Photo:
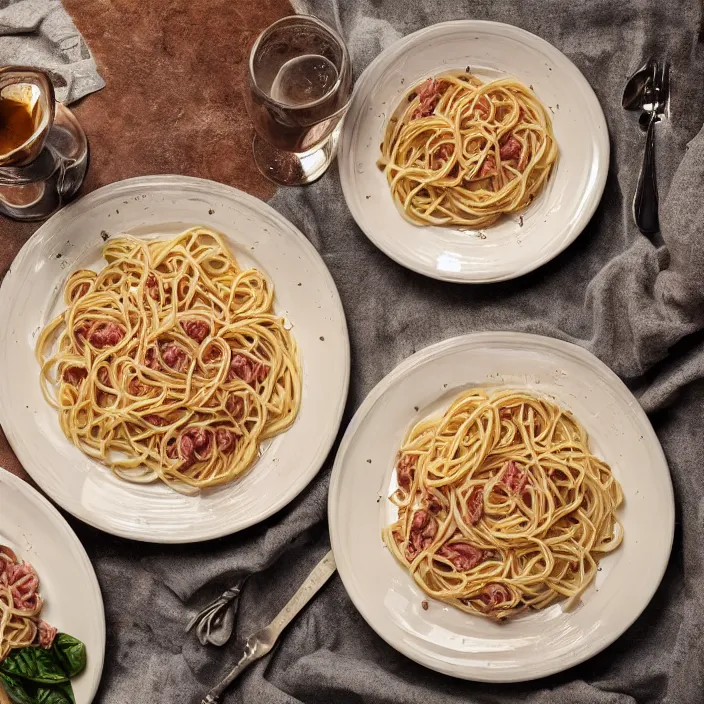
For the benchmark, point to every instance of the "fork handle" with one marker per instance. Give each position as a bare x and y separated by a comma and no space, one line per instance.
213,696
645,203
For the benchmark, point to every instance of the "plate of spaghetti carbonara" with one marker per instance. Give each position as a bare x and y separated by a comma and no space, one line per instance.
190,362
500,507
52,623
473,152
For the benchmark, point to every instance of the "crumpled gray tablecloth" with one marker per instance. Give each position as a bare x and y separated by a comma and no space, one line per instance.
635,304
40,33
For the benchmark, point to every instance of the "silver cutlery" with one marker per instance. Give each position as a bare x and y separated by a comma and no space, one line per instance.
653,86
633,92
261,642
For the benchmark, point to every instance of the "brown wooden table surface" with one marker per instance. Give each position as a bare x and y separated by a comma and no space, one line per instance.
172,102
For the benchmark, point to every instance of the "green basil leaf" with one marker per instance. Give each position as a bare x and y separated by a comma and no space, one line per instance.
34,663
14,663
15,689
53,695
67,689
70,653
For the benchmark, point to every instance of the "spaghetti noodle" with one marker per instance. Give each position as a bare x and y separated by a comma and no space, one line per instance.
461,152
20,606
501,505
170,362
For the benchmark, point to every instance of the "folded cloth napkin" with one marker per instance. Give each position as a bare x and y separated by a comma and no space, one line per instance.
635,303
40,33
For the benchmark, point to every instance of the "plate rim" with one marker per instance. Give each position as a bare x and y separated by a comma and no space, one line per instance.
399,256
33,495
171,181
375,395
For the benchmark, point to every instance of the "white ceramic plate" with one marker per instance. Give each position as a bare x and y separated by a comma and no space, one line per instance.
550,223
35,530
160,206
543,642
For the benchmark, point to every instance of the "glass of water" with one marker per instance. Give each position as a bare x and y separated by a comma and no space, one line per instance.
300,84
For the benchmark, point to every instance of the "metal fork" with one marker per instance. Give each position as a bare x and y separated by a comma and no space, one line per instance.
656,96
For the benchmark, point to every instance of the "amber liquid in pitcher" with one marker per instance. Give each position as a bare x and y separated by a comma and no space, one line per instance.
16,124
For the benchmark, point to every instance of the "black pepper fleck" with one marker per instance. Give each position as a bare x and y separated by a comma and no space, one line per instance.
58,256
322,339
104,235
211,211
369,461
416,409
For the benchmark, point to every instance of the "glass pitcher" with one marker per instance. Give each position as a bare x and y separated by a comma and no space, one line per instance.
43,149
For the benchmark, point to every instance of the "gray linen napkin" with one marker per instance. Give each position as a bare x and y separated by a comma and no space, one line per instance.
634,303
40,33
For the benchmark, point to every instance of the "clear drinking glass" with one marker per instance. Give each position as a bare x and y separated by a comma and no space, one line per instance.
300,83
